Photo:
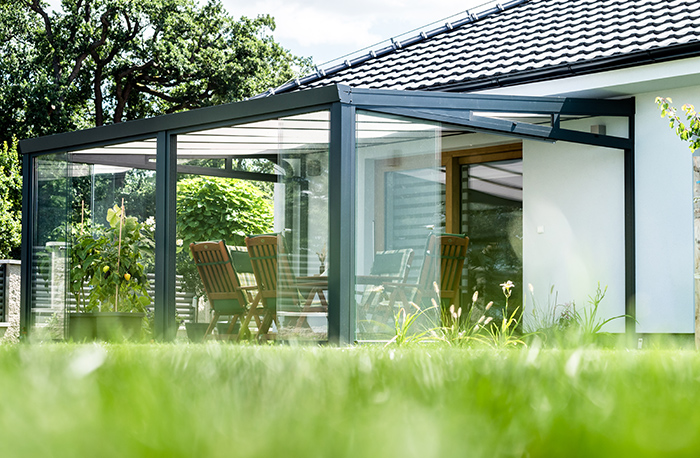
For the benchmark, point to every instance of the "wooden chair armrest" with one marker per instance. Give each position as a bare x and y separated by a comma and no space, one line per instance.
399,285
376,279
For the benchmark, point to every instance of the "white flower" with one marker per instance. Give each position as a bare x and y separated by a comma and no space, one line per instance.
507,287
475,296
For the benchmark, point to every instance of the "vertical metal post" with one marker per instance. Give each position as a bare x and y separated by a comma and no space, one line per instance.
166,182
630,237
28,209
341,208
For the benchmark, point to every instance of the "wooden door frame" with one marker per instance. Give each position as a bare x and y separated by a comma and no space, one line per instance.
453,162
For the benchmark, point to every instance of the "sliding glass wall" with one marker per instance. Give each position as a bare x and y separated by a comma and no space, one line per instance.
265,181
93,236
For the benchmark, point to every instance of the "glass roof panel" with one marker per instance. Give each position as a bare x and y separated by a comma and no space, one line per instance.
307,132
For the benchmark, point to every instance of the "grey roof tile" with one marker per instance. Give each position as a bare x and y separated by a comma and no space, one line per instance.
529,36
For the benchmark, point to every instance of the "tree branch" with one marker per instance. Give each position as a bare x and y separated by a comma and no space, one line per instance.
48,28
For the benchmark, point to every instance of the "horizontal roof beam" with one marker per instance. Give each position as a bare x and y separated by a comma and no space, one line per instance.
506,127
494,103
231,113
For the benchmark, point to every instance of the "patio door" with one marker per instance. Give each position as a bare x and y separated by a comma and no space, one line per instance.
484,199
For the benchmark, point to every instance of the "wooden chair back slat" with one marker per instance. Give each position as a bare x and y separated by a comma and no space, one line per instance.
220,281
443,264
263,251
216,270
453,252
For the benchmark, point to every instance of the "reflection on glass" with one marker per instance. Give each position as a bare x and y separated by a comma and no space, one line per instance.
492,212
266,177
93,245
49,273
399,190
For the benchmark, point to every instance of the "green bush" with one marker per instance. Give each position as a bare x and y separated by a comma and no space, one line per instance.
10,201
212,208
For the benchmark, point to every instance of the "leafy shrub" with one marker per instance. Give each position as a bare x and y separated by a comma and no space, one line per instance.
212,208
10,201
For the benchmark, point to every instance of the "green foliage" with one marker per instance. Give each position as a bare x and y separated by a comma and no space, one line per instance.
95,62
501,333
212,208
109,262
10,201
456,328
688,130
563,326
403,327
139,190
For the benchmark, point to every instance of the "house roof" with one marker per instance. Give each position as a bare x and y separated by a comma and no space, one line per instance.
523,41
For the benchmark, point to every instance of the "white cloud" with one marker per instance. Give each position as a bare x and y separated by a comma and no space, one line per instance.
326,29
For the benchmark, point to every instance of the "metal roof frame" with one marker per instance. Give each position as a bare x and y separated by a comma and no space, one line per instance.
342,102
458,109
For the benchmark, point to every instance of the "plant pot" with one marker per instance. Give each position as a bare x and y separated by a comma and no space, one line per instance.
195,331
221,328
118,326
81,326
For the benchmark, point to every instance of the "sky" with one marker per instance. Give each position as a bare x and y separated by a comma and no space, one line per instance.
327,30
330,29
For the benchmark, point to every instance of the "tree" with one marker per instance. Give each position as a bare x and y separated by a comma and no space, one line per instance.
97,62
690,129
105,61
10,201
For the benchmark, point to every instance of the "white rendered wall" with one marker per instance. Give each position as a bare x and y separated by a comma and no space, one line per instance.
664,218
664,187
573,224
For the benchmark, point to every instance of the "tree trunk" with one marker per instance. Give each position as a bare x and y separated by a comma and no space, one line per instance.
99,111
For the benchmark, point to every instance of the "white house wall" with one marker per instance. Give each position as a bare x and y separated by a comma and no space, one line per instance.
573,225
664,187
664,219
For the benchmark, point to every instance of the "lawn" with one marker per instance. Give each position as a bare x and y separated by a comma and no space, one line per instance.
218,400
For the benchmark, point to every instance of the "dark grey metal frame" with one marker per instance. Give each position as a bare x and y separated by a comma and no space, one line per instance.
342,101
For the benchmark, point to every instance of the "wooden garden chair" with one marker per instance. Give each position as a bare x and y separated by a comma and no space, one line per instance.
278,287
440,275
221,284
274,279
388,266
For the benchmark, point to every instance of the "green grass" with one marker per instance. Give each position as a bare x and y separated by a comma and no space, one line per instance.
285,401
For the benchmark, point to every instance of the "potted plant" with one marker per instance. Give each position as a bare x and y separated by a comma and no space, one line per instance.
107,278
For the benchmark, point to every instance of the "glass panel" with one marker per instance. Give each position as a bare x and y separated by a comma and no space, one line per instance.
400,185
94,240
48,292
267,177
492,215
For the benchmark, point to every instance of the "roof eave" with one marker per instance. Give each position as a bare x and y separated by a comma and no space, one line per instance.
635,59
